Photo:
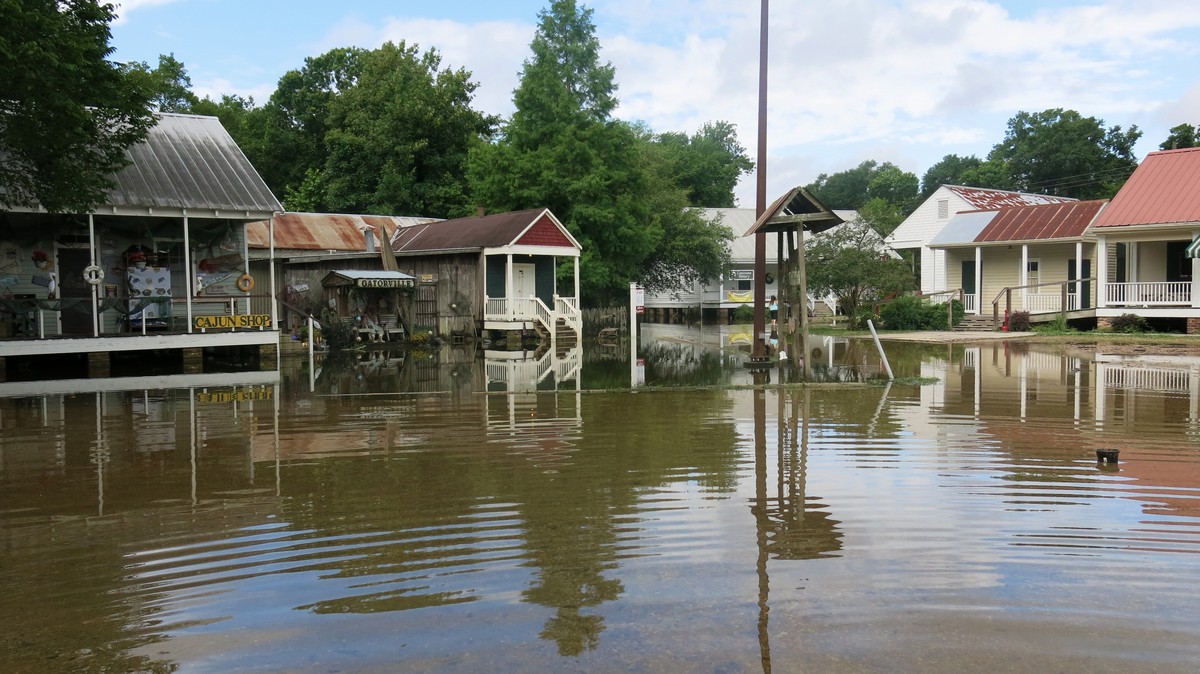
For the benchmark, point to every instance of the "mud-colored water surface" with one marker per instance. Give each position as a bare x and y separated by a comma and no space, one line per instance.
385,519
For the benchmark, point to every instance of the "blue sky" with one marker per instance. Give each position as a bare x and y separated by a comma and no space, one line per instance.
906,81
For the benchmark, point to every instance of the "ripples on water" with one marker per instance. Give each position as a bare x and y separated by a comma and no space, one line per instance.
936,528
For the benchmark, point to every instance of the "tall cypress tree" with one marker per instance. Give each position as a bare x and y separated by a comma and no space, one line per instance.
562,150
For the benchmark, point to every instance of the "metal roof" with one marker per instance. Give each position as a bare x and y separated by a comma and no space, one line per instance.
962,228
325,231
1046,221
478,232
1165,189
984,199
190,161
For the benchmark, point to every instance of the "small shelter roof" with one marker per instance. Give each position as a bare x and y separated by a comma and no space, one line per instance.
362,278
797,208
536,227
1165,189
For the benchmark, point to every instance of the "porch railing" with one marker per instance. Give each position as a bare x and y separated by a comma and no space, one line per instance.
532,308
38,318
1066,299
1149,293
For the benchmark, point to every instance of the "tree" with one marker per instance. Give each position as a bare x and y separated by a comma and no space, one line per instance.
707,164
169,85
1061,152
844,189
850,262
561,150
896,187
1184,135
397,139
949,171
67,114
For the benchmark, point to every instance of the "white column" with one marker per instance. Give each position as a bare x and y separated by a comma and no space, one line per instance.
95,287
1195,277
978,280
188,273
1024,276
1101,271
1079,274
508,286
578,301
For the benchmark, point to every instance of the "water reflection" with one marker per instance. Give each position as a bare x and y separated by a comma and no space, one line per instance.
398,519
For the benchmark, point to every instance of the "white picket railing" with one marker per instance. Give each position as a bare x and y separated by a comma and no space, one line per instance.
1149,293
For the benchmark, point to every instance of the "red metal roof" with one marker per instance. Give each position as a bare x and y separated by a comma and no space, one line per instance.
324,231
478,232
983,199
1164,189
1067,220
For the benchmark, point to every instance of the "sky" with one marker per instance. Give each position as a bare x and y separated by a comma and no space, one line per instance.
901,81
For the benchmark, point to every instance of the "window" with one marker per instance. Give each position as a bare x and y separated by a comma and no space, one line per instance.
943,209
742,280
1032,274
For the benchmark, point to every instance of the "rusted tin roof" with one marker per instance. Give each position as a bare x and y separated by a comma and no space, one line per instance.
190,161
1164,189
1068,220
983,199
325,231
487,231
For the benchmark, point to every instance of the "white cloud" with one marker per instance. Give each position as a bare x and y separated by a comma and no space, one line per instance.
124,7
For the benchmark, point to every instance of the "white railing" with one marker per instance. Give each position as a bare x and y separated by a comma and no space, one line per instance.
567,308
1149,293
1043,303
970,302
1148,379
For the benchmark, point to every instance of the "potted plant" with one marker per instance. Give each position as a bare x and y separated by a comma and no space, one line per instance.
40,258
138,259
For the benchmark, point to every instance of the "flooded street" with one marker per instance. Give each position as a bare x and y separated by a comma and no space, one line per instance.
453,513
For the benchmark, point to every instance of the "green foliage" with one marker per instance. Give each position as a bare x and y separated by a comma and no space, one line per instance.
743,314
844,189
1184,135
1063,153
1058,327
67,113
1018,321
561,150
850,262
894,187
397,139
910,312
948,171
169,85
337,334
1129,323
708,164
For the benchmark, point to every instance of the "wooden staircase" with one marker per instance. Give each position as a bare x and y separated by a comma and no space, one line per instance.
972,323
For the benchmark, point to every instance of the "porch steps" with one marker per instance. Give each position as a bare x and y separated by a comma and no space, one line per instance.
972,323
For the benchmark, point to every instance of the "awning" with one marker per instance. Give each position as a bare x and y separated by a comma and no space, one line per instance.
1193,249
360,278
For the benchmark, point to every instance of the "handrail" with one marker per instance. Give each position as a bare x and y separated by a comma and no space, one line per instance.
1007,293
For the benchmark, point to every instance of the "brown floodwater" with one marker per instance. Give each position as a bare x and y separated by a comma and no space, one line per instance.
447,513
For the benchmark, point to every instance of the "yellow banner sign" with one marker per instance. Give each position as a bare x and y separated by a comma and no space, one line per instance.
241,321
735,296
238,395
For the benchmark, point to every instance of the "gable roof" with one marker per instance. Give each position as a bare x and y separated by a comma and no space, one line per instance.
985,199
1065,220
191,161
536,227
1164,189
325,231
797,208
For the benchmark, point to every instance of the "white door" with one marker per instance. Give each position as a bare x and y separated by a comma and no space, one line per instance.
523,286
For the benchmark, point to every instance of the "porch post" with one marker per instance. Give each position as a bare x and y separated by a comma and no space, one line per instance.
187,270
1079,275
1024,276
96,287
271,270
1101,272
978,280
508,307
578,301
1195,279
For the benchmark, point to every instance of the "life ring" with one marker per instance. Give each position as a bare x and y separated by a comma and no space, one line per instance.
93,274
245,283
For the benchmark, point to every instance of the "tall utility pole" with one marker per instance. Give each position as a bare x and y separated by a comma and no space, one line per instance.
760,239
